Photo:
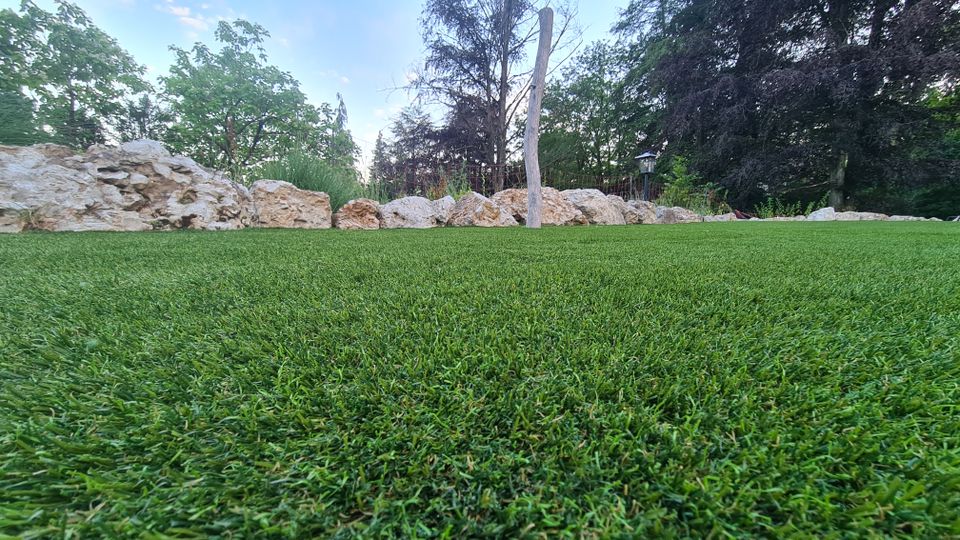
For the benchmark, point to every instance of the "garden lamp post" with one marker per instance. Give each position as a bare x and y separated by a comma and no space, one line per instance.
647,161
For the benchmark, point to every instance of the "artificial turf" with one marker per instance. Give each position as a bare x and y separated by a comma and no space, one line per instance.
746,379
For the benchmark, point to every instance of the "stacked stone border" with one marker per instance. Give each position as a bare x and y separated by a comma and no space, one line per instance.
139,186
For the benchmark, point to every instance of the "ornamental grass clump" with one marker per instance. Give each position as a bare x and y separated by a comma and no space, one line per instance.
313,173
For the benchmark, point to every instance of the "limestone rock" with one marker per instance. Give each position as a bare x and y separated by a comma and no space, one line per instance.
556,209
283,205
861,216
906,218
676,215
135,187
358,214
475,210
730,216
409,213
596,207
642,212
442,208
785,218
823,214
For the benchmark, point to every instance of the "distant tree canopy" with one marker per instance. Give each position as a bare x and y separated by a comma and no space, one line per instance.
234,111
63,79
474,68
855,98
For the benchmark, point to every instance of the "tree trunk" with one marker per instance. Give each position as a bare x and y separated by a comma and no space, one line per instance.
500,140
531,138
837,179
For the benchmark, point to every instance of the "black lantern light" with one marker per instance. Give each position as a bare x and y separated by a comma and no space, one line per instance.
647,162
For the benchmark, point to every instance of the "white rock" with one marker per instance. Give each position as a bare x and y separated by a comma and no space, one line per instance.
730,216
643,212
823,214
786,218
475,210
676,215
145,148
906,218
596,207
860,216
49,187
442,208
409,213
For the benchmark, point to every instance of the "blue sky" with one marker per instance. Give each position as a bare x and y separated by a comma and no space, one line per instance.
360,48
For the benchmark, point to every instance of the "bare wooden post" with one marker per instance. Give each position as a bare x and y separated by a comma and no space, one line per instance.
531,137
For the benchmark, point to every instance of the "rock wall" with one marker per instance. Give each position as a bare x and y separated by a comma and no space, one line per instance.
139,186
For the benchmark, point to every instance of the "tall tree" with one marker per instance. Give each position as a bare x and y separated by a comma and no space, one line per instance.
785,94
414,151
233,110
475,52
77,74
590,127
143,118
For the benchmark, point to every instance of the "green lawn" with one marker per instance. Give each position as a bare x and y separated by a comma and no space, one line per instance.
764,379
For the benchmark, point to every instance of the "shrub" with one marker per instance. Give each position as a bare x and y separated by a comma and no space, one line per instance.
310,172
774,207
683,188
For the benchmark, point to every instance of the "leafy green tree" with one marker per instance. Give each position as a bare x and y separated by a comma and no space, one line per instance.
234,111
588,127
74,74
143,118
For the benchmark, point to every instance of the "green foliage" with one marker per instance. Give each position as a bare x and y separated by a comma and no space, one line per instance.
143,118
586,129
376,190
18,124
311,172
775,207
234,111
684,187
732,380
76,75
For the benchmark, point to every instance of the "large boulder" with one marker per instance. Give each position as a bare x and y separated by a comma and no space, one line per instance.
138,186
410,213
906,218
596,207
556,209
442,208
823,214
358,214
285,206
640,212
675,215
475,210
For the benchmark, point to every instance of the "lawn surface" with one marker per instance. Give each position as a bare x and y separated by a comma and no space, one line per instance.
747,379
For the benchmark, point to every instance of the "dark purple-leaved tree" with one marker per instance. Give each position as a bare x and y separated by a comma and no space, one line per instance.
780,96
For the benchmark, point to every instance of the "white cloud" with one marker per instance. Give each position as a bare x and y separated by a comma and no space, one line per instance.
196,22
344,79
